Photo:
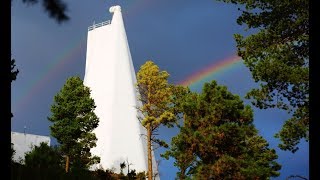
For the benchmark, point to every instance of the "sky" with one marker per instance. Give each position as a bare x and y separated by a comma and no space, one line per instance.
183,37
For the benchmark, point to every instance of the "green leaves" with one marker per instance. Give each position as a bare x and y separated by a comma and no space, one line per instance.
157,108
44,156
218,139
278,57
293,130
155,94
74,120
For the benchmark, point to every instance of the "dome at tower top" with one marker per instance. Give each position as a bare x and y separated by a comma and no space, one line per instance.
113,9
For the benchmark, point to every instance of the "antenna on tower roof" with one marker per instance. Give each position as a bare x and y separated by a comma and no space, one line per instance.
24,129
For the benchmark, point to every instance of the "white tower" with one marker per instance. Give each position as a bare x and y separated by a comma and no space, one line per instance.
111,77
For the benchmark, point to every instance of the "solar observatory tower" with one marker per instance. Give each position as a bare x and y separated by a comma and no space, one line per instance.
110,75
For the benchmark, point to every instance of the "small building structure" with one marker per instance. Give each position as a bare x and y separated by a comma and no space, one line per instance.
23,143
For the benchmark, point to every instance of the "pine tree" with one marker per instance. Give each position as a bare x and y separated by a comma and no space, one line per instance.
73,121
155,95
278,58
44,157
218,139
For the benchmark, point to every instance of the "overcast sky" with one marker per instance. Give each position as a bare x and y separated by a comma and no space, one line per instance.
181,37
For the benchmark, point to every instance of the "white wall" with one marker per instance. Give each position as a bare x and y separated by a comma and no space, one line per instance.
23,143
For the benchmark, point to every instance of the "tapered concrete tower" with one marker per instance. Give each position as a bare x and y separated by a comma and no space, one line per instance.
111,77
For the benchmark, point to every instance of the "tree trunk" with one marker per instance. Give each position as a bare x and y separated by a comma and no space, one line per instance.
149,152
182,174
67,164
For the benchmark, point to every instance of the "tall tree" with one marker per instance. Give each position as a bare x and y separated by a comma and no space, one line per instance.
278,58
155,95
218,139
186,159
74,120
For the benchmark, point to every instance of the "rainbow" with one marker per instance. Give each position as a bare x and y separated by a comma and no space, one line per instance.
69,54
57,64
210,70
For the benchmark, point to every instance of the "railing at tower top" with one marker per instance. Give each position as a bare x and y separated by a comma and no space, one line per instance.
99,25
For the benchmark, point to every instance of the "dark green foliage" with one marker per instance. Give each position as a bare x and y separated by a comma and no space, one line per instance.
110,175
42,162
122,166
74,120
12,152
44,156
141,176
132,175
104,175
278,58
20,171
14,72
294,129
218,139
56,9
